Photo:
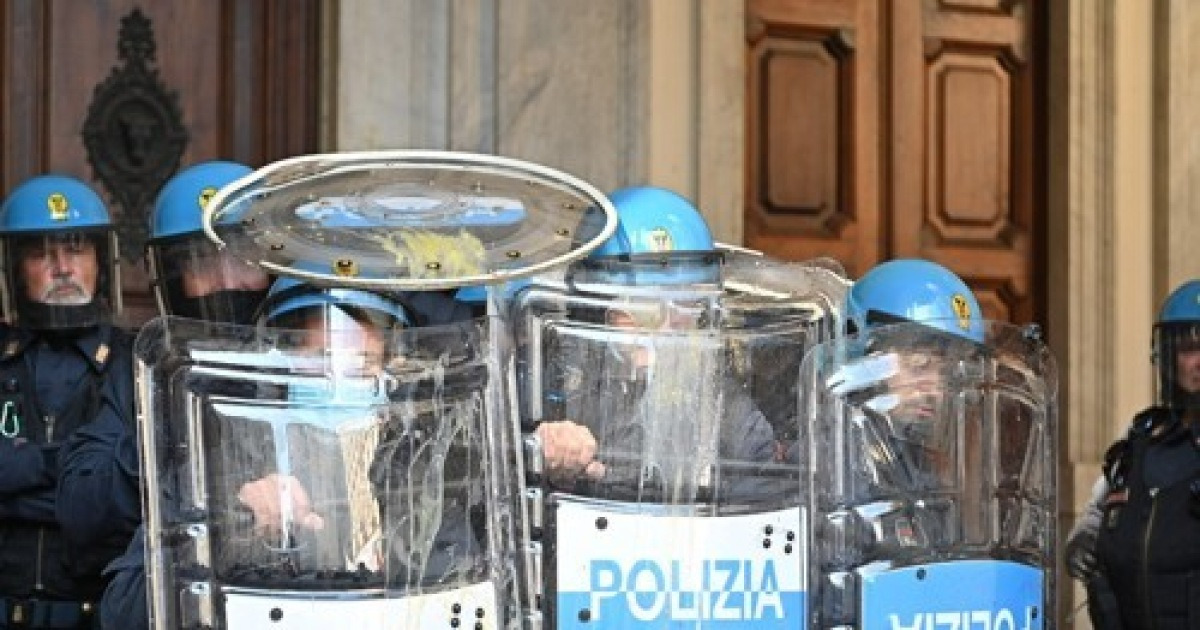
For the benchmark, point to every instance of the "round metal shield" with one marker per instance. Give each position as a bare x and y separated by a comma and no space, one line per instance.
409,219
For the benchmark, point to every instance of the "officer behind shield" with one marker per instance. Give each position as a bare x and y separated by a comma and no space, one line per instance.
99,496
64,367
655,224
1137,546
912,439
349,323
420,441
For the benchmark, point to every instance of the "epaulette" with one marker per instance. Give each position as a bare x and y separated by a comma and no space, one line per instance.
1150,421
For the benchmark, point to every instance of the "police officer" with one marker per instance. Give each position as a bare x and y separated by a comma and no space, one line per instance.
924,292
234,299
926,443
918,291
351,333
99,500
1137,547
63,366
350,327
655,225
190,276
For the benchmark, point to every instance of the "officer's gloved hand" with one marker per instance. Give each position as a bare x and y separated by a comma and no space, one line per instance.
569,451
1081,554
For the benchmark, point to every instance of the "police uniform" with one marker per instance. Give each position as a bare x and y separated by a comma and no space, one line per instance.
620,418
51,387
1137,545
99,496
1148,544
63,368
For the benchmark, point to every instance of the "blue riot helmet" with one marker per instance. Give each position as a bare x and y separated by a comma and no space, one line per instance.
475,297
906,365
190,276
913,290
658,274
291,301
1176,351
59,255
661,241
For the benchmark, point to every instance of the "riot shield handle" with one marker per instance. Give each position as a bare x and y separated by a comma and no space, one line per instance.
535,460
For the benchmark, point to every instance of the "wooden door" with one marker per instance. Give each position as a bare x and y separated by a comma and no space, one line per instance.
882,129
240,75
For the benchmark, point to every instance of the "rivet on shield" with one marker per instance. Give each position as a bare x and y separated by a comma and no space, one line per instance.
568,205
512,253
562,232
275,247
433,266
345,267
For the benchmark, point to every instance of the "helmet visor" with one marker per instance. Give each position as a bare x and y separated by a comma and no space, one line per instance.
340,339
197,280
1177,356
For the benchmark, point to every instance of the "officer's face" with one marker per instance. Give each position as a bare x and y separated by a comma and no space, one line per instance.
652,317
211,270
355,346
59,270
1187,363
918,384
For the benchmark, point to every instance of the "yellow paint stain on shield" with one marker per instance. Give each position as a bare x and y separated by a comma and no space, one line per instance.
433,254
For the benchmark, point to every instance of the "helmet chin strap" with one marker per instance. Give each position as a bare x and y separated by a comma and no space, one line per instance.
42,316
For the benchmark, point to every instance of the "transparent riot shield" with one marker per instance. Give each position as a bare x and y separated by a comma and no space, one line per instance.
371,480
300,485
409,220
689,514
931,468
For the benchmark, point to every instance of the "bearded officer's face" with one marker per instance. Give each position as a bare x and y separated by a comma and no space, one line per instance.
59,270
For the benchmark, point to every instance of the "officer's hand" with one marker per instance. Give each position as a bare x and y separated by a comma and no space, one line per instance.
569,450
265,499
1081,555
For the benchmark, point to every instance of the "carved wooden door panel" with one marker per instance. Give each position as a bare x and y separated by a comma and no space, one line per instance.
122,93
948,166
813,143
